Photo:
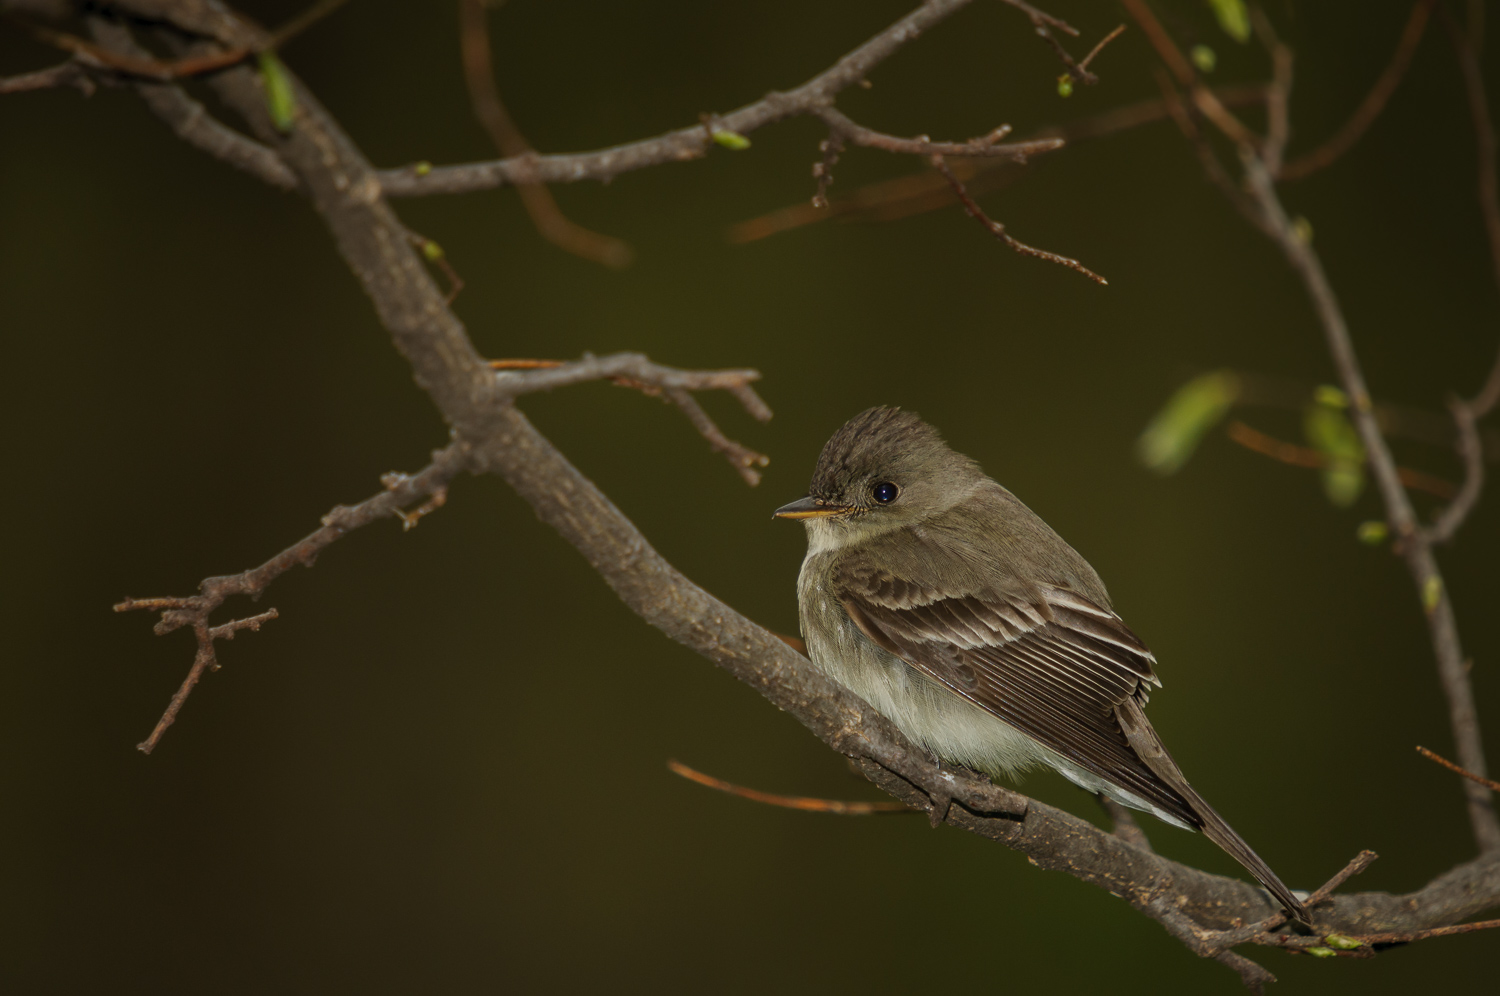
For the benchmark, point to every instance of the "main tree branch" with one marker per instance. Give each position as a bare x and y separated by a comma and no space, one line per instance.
495,436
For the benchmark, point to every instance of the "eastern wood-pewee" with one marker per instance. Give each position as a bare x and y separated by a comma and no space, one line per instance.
934,594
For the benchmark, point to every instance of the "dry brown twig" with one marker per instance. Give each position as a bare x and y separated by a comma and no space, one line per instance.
1488,783
550,222
1303,456
998,230
801,802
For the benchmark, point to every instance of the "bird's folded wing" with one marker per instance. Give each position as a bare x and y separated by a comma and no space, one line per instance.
1051,663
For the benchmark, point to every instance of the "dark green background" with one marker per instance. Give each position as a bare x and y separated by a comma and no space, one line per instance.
442,770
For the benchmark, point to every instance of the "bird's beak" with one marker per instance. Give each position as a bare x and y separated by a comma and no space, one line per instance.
809,508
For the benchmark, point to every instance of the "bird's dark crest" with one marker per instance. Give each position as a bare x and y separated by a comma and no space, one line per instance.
876,437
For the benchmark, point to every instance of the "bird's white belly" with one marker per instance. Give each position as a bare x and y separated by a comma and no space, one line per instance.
929,714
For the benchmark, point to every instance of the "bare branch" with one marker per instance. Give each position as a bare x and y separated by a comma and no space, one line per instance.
998,230
190,120
1303,456
685,143
1488,783
1371,107
887,200
1413,542
193,611
636,371
1204,99
71,73
550,222
802,802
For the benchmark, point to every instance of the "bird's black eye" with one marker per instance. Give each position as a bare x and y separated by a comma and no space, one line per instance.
885,492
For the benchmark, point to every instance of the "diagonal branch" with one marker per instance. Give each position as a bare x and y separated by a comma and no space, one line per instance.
498,438
1414,544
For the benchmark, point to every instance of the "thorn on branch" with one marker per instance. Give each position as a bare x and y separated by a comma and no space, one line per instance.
998,230
803,803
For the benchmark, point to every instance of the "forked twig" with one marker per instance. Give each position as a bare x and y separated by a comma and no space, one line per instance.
635,371
193,611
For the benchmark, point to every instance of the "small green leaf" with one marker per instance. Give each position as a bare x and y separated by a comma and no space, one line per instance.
1302,230
1179,427
421,167
1321,952
432,251
1065,85
1373,532
1327,428
1327,394
1204,58
281,102
732,140
1342,941
1432,592
1233,17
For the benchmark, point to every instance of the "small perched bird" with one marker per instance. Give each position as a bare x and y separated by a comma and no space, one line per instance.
936,596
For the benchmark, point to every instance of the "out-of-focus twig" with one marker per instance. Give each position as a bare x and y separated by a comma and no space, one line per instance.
550,222
1370,108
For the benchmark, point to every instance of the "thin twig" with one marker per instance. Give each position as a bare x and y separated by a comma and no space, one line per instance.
1303,456
190,120
1405,936
193,611
1204,99
985,147
71,73
887,200
550,222
1278,94
1371,107
146,66
1412,541
1466,414
804,803
1488,783
636,371
998,230
1084,62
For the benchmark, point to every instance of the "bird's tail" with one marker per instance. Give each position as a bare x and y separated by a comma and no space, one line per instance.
1148,746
